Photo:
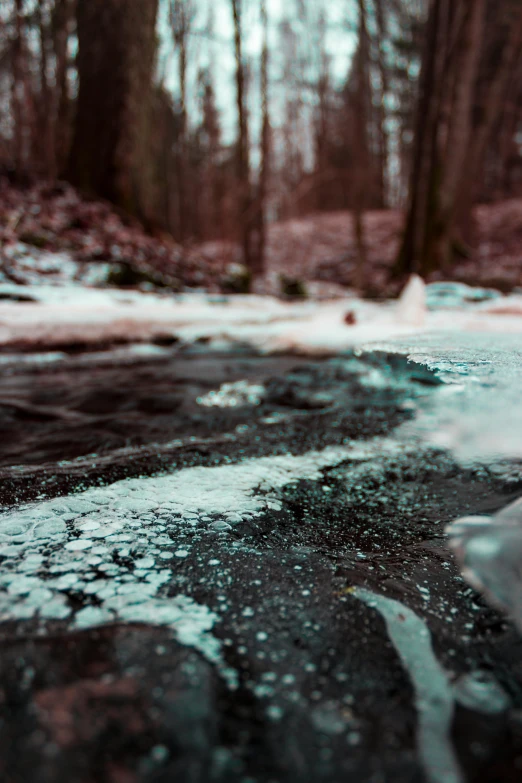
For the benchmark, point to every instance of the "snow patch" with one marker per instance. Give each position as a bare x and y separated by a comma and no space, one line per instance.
433,693
233,395
116,550
64,314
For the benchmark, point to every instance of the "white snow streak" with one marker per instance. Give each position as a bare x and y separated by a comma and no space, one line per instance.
117,549
433,693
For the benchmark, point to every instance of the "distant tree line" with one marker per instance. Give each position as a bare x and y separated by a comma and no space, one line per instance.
428,116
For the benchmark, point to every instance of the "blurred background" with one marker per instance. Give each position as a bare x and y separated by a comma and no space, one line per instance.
346,141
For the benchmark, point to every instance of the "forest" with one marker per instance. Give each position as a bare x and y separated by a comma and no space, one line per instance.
260,373
211,123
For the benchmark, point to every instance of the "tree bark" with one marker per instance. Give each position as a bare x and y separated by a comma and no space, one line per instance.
361,147
458,135
242,153
491,108
258,262
116,56
424,168
17,89
383,134
181,15
443,134
45,109
62,19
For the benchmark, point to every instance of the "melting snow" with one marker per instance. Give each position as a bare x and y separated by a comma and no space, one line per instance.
61,314
232,395
477,413
108,548
434,695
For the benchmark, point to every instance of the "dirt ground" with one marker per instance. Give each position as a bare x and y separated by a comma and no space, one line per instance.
318,247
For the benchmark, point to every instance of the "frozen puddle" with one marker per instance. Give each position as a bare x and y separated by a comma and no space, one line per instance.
113,551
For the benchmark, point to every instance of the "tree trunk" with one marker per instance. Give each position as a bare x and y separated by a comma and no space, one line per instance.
424,170
48,167
443,134
182,143
258,262
361,147
17,89
62,18
510,160
181,16
458,136
323,101
383,134
491,109
116,56
242,153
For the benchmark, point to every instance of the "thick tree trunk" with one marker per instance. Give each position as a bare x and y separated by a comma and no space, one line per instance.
491,109
443,134
424,171
510,159
458,136
116,55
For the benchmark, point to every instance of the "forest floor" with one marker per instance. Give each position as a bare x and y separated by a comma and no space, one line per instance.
95,242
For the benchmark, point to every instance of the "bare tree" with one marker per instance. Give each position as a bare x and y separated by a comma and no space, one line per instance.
243,148
62,19
383,140
17,86
443,133
323,119
458,133
361,144
212,215
491,109
181,16
258,261
292,144
45,109
116,55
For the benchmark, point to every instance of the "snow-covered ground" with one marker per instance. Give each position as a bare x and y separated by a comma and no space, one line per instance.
57,315
471,338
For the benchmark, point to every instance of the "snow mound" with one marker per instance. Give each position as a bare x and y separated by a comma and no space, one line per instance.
411,309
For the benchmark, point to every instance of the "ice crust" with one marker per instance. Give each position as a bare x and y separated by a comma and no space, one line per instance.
114,549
